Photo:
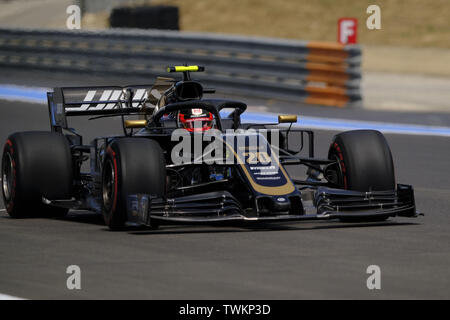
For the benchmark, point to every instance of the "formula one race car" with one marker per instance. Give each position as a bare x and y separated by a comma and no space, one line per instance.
186,159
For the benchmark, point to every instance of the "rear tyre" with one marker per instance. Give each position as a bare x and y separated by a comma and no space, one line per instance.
35,165
131,166
364,162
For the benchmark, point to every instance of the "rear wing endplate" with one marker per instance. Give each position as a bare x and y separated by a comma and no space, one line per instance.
103,100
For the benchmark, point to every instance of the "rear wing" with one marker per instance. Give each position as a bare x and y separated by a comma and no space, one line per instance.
103,100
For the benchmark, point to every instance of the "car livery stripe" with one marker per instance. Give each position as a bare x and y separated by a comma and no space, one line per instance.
285,189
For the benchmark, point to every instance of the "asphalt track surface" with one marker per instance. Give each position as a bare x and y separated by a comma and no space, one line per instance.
304,260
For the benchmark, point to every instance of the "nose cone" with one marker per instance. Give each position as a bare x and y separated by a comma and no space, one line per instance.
280,203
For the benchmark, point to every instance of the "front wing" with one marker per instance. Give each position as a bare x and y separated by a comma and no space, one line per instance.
216,207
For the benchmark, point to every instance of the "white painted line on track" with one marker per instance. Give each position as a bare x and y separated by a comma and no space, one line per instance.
336,124
38,95
8,297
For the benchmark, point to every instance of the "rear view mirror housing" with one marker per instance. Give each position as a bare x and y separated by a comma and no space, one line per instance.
132,124
288,118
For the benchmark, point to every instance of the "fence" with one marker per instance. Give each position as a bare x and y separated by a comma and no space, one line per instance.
304,71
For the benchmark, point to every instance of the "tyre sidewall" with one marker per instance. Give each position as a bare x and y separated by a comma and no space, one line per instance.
42,166
365,160
139,168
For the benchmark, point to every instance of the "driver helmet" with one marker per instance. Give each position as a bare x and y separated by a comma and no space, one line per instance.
195,120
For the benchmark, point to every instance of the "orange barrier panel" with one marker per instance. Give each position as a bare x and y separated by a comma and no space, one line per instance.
333,72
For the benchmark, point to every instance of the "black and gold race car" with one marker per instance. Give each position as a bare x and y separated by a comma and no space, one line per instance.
183,158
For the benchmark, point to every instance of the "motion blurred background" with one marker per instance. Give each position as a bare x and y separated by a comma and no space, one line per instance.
405,65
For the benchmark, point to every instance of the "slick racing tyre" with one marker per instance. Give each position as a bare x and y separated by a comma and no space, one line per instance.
35,165
364,162
131,166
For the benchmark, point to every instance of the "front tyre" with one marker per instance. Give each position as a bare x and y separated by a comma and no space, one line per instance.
364,162
131,166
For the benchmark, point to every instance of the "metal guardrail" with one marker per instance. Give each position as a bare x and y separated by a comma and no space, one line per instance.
305,71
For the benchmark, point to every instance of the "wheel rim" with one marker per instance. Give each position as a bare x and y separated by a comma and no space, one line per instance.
108,185
7,176
334,175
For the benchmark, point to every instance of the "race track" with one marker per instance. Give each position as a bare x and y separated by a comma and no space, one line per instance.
305,260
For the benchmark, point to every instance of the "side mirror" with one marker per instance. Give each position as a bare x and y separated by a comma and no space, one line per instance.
288,118
129,124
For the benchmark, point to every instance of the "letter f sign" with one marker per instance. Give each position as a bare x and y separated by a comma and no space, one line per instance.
347,30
